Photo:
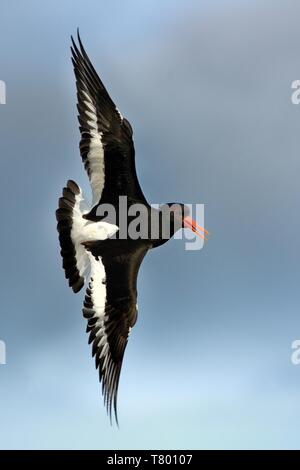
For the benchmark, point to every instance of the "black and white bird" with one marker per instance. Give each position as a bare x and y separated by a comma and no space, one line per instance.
93,253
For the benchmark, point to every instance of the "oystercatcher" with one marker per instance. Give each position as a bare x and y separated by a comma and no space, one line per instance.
94,252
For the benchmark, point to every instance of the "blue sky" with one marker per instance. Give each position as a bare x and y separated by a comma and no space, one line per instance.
206,87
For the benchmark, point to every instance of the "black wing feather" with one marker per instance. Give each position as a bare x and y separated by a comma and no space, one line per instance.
111,130
109,336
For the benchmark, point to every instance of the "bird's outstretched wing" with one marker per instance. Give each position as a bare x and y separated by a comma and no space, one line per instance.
106,144
111,311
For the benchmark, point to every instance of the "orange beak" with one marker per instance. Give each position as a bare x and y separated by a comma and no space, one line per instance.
188,222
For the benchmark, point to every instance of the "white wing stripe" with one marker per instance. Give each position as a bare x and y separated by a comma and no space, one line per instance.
87,96
90,105
96,167
104,350
98,296
82,260
95,155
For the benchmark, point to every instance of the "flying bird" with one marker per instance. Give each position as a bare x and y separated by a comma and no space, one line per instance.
94,254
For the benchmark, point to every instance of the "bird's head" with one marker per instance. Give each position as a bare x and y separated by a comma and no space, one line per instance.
179,216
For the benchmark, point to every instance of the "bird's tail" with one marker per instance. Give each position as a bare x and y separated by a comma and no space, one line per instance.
75,260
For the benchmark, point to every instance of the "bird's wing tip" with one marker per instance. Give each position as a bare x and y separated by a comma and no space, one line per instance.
79,50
